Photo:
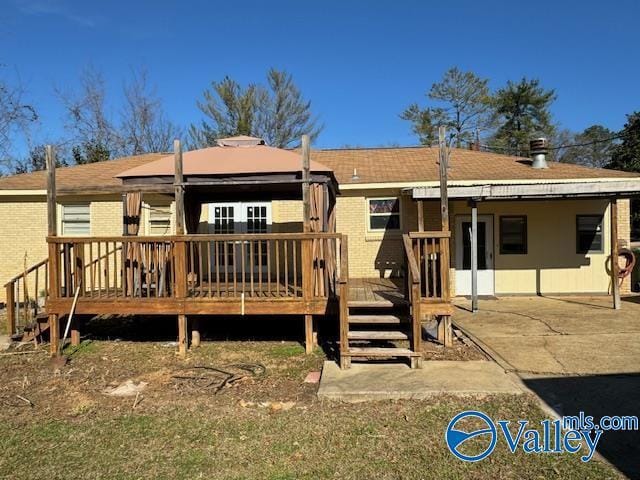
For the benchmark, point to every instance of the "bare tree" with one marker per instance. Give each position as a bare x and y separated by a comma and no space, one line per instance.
92,132
144,127
139,127
16,116
37,160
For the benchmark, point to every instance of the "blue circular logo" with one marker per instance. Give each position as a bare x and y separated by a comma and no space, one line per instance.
456,437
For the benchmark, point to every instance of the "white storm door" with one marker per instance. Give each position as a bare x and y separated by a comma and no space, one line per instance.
485,255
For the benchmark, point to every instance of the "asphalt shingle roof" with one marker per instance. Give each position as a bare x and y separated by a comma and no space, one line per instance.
373,165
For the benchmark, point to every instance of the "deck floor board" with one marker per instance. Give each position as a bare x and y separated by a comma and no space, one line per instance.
363,290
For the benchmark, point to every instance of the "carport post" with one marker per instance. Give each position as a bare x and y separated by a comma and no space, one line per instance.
615,285
474,256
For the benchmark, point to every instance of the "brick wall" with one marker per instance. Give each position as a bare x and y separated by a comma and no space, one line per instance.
286,216
24,232
370,254
624,235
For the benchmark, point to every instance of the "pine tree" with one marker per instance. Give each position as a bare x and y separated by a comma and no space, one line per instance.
522,112
461,101
277,113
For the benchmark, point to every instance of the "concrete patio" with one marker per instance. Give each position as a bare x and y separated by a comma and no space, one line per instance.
575,354
558,335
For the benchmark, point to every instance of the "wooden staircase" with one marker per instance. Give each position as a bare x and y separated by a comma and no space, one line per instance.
380,330
34,330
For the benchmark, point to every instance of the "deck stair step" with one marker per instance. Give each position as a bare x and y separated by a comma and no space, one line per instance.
35,329
388,319
377,335
377,303
383,352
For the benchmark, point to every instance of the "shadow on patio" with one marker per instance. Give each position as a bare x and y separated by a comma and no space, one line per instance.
598,395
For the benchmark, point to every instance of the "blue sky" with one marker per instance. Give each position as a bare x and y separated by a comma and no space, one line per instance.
359,62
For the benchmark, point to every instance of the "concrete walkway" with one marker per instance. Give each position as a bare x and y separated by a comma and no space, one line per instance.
363,382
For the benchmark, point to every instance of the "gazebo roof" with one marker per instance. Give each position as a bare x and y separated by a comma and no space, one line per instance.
229,159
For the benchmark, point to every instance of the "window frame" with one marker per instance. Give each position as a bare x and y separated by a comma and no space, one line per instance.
63,221
154,209
601,223
525,234
369,215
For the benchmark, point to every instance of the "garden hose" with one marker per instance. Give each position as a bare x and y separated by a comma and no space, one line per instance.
630,262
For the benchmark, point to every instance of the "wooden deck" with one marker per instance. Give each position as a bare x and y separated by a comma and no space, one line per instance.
376,292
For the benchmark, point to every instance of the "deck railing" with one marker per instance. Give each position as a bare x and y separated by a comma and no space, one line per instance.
427,276
287,265
26,294
430,250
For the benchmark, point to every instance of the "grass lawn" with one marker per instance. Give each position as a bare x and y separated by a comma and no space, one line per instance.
184,428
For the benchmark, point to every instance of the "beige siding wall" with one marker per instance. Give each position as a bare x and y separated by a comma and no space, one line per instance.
551,264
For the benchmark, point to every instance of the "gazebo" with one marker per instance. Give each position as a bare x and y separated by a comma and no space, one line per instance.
191,274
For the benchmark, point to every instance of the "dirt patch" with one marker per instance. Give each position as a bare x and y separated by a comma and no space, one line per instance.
463,349
251,371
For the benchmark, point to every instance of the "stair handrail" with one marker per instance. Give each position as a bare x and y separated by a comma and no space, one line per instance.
26,272
413,272
412,263
12,299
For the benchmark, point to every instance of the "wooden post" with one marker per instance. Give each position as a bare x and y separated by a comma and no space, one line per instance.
178,187
615,281
444,164
345,359
448,332
309,334
54,334
195,332
474,256
420,216
75,333
125,213
11,309
444,322
416,326
52,231
52,218
306,180
182,335
306,258
180,291
180,246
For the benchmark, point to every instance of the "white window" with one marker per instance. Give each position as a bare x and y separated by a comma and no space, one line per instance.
76,219
383,214
159,220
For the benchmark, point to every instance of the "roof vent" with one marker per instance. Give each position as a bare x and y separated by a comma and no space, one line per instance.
355,176
240,141
539,147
